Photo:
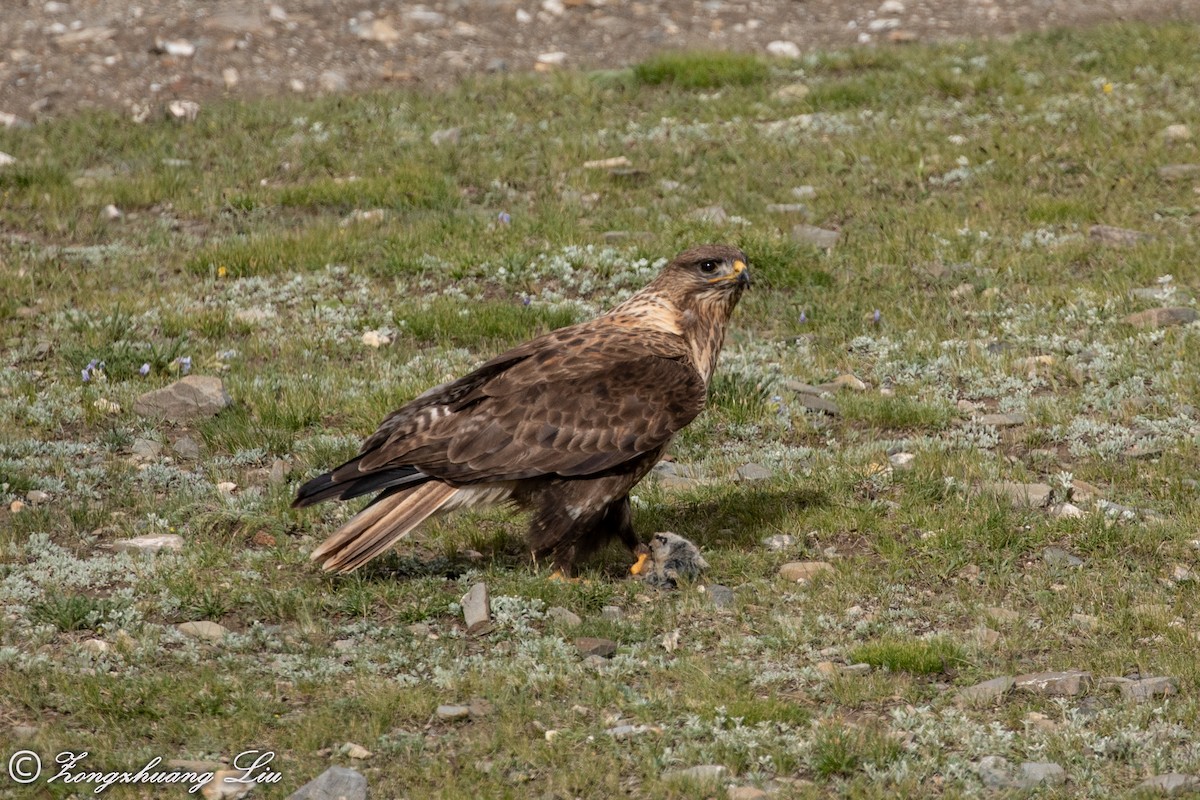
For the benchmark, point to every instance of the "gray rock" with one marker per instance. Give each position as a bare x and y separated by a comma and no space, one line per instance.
453,713
1068,683
856,670
279,471
746,793
714,214
1005,616
986,692
190,398
477,610
335,783
564,616
1057,557
720,596
803,571
629,731
146,449
814,402
450,136
150,545
35,497
204,629
820,237
590,646
704,773
1021,494
186,447
1119,237
753,472
1162,317
1002,420
1150,688
1171,783
333,81
1179,172
997,773
1160,294
779,541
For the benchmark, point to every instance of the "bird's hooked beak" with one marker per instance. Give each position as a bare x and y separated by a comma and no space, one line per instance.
742,272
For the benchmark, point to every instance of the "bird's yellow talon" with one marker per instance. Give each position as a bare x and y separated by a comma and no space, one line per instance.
640,564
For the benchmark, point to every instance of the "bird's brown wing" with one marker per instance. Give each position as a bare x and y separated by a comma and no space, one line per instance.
568,405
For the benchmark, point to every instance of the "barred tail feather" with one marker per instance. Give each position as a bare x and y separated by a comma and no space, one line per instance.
380,525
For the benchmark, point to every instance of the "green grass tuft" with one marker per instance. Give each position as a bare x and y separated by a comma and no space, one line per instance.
701,70
918,656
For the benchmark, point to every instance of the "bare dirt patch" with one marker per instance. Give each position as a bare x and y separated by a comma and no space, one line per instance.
57,57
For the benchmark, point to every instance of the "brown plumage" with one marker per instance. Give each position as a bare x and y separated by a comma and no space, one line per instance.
564,425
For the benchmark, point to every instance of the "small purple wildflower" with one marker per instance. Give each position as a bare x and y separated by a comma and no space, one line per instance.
87,374
504,218
144,370
803,318
877,316
526,299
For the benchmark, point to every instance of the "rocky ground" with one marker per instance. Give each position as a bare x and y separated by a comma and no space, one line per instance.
58,56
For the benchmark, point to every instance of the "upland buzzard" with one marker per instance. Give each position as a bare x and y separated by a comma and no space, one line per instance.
563,425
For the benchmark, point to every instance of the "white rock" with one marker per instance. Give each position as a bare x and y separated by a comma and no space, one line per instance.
6,160
296,85
446,136
203,629
453,713
277,13
901,460
956,139
185,110
1177,133
376,339
332,81
359,215
523,16
782,48
554,7
180,48
883,24
356,751
553,59
1067,511
96,646
891,7
226,488
111,212
150,545
231,77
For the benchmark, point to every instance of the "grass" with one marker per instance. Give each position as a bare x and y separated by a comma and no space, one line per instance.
963,179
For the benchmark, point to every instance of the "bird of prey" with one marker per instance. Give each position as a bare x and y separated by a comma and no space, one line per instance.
671,558
563,425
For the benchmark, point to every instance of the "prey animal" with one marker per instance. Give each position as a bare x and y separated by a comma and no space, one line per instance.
563,425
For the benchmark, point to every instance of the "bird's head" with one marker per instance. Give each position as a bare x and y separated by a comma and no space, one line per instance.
710,271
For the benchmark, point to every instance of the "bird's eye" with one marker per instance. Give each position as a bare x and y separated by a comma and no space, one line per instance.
709,267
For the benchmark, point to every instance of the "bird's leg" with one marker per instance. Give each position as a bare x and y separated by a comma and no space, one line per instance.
618,518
